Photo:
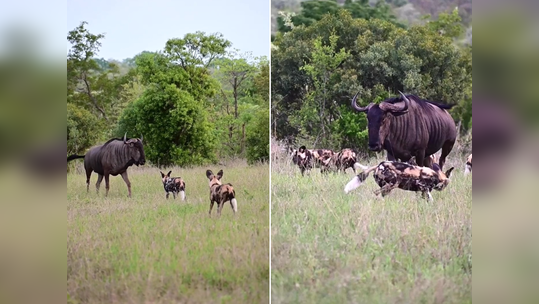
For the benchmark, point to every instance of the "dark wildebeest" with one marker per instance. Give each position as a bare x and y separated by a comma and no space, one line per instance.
176,185
407,126
468,168
220,193
112,158
390,175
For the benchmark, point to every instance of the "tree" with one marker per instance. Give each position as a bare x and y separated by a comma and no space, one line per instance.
315,10
384,59
172,113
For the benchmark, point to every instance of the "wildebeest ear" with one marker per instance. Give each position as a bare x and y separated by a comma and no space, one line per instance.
209,174
162,174
220,174
168,174
448,172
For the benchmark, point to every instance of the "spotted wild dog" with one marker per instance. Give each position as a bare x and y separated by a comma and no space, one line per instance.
220,193
390,175
303,158
176,185
345,159
468,168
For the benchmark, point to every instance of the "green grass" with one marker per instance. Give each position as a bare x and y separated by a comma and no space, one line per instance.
329,247
151,250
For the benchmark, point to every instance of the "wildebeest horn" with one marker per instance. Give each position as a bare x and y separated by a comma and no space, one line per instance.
395,109
125,137
141,138
358,108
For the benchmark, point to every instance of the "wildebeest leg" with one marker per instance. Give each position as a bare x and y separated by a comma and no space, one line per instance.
98,183
211,207
420,158
88,174
446,148
107,186
428,161
127,182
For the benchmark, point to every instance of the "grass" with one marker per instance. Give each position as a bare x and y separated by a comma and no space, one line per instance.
151,250
329,247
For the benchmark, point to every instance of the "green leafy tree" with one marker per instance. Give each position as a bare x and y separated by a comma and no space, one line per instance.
384,59
314,10
258,131
82,129
172,113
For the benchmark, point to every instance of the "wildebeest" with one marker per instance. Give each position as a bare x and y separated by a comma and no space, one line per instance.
220,193
176,185
407,126
112,158
391,174
468,168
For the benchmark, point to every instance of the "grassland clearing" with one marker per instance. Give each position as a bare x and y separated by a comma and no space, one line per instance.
329,247
148,249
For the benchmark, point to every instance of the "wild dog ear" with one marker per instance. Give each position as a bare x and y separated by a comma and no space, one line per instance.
302,149
209,174
448,172
168,174
220,174
162,174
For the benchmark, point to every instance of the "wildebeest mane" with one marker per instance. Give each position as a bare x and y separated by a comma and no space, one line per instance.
420,102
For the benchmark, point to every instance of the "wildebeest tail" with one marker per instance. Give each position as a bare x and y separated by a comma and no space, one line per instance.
74,156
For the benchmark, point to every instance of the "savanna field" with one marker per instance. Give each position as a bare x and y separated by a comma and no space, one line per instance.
330,247
151,250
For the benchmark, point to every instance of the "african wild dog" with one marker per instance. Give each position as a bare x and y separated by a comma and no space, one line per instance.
345,159
306,159
176,185
303,158
390,175
468,168
220,193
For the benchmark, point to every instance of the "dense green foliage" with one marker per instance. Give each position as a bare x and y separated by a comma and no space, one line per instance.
317,69
312,11
194,102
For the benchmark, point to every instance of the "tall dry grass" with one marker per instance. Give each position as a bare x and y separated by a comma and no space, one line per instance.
329,247
151,250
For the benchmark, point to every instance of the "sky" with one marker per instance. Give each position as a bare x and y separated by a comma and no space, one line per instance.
131,27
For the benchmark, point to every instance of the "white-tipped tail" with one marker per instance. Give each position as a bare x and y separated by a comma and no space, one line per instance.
358,166
234,205
353,184
467,169
182,195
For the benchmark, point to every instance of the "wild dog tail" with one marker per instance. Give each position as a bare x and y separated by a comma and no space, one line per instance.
234,202
360,178
74,156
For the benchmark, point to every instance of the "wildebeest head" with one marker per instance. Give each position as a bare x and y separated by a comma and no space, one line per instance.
214,179
136,150
379,119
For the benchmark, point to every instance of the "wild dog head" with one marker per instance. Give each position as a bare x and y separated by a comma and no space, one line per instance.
220,193
174,185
